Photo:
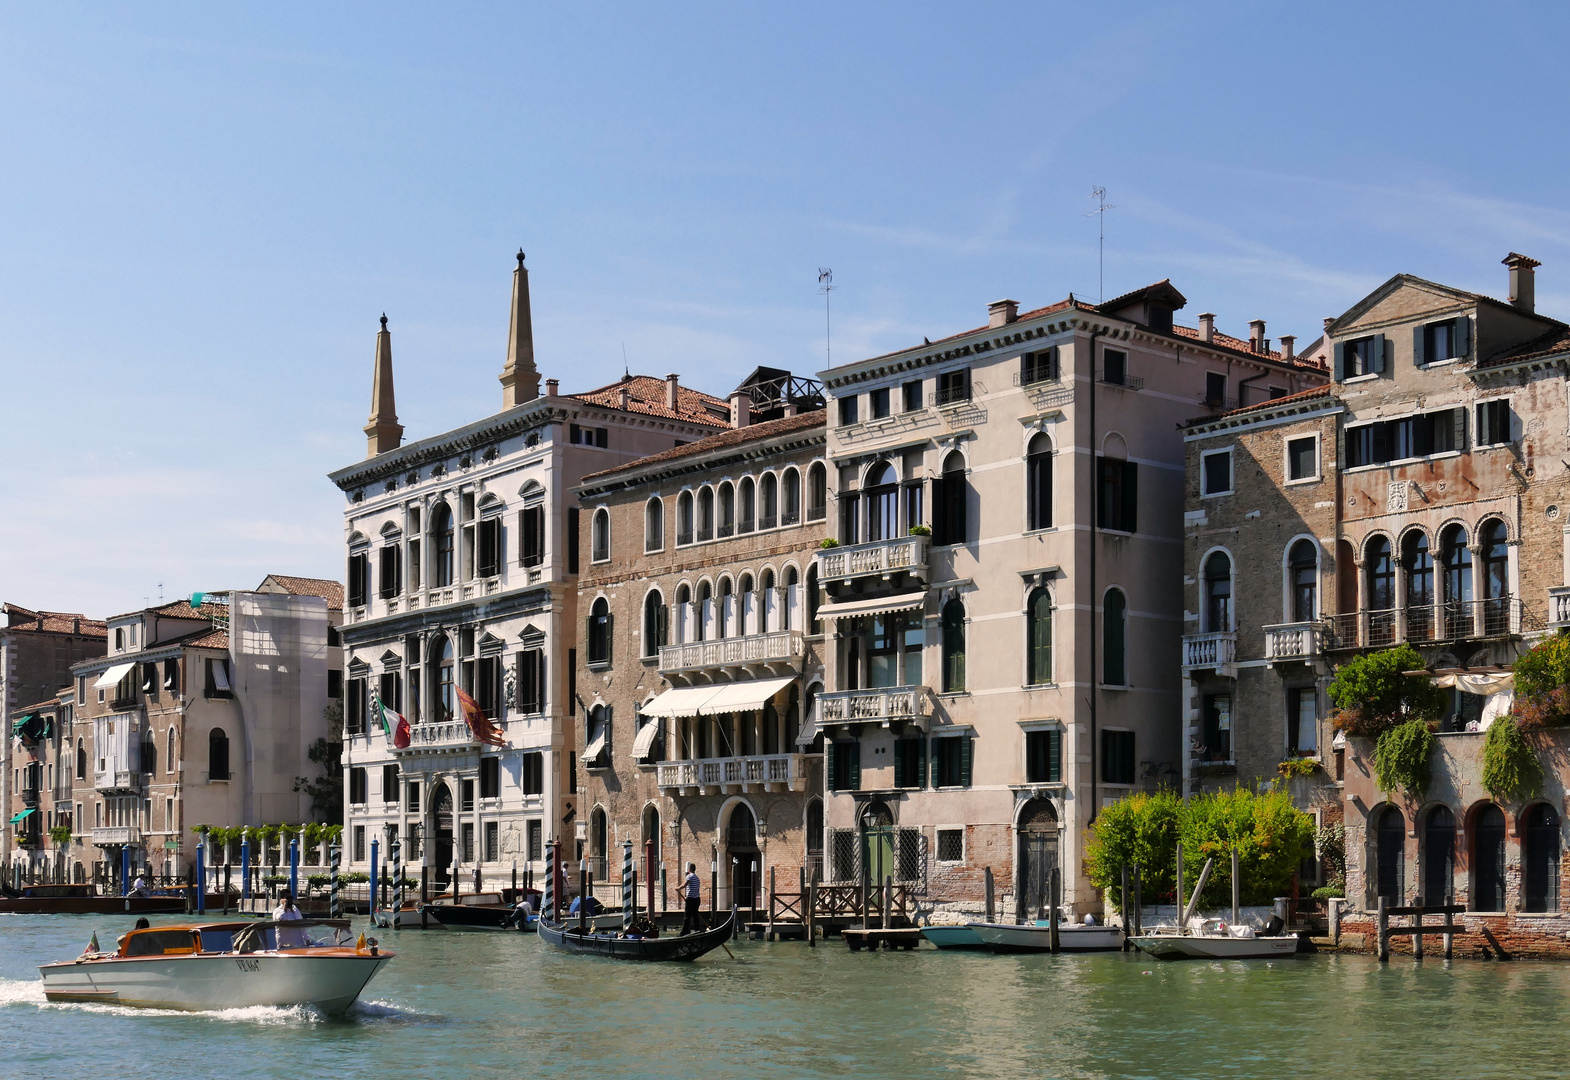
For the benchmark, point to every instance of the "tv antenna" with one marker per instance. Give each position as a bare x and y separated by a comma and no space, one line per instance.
1100,214
826,286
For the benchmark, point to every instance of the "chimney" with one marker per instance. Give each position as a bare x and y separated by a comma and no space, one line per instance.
672,381
1288,346
1001,313
552,387
382,431
519,378
1207,326
740,409
1523,286
1256,335
76,625
623,398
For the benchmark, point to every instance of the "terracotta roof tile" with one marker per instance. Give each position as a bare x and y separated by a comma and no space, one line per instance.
646,395
326,588
213,639
1556,340
1288,399
182,609
769,429
52,622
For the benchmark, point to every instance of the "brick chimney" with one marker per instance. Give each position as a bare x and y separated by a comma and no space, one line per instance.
1207,326
552,387
1256,335
1523,285
672,381
740,409
1001,313
623,398
1288,346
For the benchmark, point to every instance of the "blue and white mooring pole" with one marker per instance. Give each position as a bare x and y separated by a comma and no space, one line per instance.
245,871
201,878
294,867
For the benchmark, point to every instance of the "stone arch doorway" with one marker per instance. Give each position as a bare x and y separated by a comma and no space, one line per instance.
1037,857
878,852
741,856
441,834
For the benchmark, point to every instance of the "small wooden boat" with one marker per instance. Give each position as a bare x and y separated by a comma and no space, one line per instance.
83,900
953,937
480,911
1072,937
566,936
1211,939
225,965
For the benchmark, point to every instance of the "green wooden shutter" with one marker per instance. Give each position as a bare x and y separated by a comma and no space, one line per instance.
1340,361
1054,757
1419,338
899,763
830,780
1463,336
1378,349
921,762
855,766
1130,496
964,761
940,528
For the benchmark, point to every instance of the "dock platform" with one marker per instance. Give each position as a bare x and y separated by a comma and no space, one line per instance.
906,938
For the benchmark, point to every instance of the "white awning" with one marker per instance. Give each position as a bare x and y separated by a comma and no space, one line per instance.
879,606
809,730
748,696
113,675
682,701
644,743
595,748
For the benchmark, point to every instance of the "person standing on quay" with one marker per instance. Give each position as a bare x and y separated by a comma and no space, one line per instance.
690,887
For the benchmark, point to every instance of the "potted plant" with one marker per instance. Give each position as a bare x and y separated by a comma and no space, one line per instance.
828,542
920,530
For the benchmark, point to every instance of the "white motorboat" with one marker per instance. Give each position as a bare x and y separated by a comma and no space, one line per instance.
1037,937
227,965
1212,939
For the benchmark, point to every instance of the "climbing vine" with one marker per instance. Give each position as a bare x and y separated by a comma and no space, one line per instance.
1511,771
1401,758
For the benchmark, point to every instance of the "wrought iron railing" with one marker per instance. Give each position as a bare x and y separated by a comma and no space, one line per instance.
1448,620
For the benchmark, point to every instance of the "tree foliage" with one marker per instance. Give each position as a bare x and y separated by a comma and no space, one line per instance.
1543,668
1401,758
1140,830
1372,695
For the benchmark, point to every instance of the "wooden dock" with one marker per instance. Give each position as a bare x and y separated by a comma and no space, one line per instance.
905,938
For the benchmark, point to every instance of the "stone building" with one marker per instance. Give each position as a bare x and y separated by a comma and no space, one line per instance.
37,649
699,656
200,715
1418,499
462,564
42,757
994,683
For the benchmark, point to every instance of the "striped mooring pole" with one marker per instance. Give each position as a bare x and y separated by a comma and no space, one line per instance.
397,865
245,871
333,907
626,884
548,900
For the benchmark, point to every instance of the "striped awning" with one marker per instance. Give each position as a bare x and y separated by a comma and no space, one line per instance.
878,606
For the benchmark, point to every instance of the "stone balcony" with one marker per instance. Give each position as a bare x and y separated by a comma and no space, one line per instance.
1216,650
883,706
1295,641
1559,605
117,836
118,780
763,651
710,776
879,559
447,737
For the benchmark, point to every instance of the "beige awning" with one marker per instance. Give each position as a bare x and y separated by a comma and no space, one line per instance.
880,606
644,743
595,748
748,696
680,702
113,675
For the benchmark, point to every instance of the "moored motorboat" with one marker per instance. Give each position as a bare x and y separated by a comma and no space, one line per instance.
1212,939
569,937
84,900
224,965
482,911
1037,937
953,937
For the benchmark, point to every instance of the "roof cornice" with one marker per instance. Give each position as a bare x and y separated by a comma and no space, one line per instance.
635,476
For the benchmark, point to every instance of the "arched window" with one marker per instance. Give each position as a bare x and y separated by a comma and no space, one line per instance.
881,492
217,755
599,838
443,700
656,623
747,497
599,632
1488,859
1114,639
953,646
1303,580
1218,593
1390,855
441,545
1381,571
727,509
651,835
724,609
81,757
1439,856
149,754
601,535
684,519
705,611
813,626
1038,644
654,525
769,496
706,513
817,492
169,756
1457,597
1419,563
1038,483
950,502
790,511
1540,859
1494,565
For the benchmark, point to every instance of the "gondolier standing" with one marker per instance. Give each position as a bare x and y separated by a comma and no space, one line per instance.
690,887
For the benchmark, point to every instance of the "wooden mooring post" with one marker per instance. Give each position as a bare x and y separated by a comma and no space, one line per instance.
1054,884
1139,904
425,895
1449,923
1123,903
987,882
1382,928
812,911
1417,921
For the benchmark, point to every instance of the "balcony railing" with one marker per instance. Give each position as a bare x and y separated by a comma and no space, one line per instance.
1559,605
882,705
683,538
780,646
880,558
449,736
1449,620
1294,641
30,796
745,773
1213,650
817,512
117,836
118,780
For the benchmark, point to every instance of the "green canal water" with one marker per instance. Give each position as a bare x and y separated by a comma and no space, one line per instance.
483,1005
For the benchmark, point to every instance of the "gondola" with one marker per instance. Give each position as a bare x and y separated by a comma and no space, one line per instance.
565,936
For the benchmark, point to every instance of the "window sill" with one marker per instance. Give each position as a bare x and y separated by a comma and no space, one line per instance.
1040,686
953,693
1444,363
1397,462
1361,378
1041,531
1218,494
1115,686
599,665
1301,481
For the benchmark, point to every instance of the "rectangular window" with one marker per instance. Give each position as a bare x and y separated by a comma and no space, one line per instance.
391,690
1216,727
1215,388
1302,721
842,765
910,763
1114,367
1437,342
1038,367
357,786
490,777
1277,392
1215,471
389,783
467,802
389,559
490,557
954,386
359,579
536,836
1044,757
1117,757
1302,458
218,684
1493,422
359,843
951,761
879,402
531,529
531,681
951,845
533,774
488,689
1406,437
912,395
413,789
492,842
1363,356
1117,495
573,526
468,841
335,682
847,411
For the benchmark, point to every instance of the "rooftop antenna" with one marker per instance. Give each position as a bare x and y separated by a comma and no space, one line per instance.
160,592
626,372
826,286
1100,214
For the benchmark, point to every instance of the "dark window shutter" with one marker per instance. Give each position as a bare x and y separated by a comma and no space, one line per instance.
663,625
1463,332
1419,339
1340,361
1054,757
900,779
1458,418
1130,522
940,526
572,539
1378,349
602,437
831,781
964,761
855,766
921,762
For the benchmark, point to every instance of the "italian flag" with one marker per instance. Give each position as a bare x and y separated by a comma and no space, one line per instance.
396,727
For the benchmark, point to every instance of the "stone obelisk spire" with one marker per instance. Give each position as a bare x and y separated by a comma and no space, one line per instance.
383,432
519,378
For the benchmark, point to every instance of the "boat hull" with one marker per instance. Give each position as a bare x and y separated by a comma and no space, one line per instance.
686,947
953,937
206,982
1190,947
1076,937
462,918
93,905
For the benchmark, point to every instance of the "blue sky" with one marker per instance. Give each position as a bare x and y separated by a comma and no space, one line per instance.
204,208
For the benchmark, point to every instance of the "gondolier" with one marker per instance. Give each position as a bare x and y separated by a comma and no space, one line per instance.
691,887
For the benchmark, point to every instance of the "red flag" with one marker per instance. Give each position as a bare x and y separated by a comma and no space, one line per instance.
483,727
402,733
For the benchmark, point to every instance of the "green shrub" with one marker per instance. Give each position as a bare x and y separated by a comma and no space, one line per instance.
1298,766
1328,892
1401,758
1372,695
1138,830
1511,771
828,542
920,530
1543,668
